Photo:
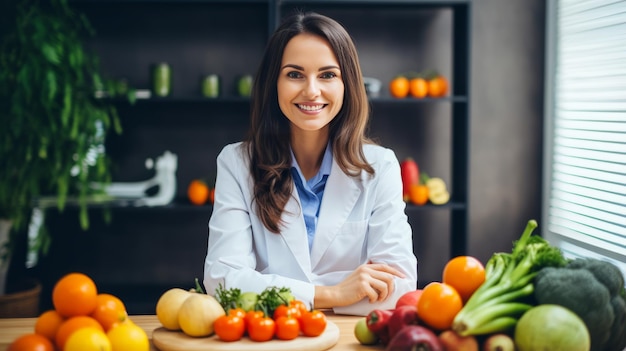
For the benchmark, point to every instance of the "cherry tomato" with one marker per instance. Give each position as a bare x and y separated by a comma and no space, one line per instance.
287,328
240,312
313,323
261,329
287,311
300,305
250,315
229,327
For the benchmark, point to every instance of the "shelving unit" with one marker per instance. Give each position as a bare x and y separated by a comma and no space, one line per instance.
197,37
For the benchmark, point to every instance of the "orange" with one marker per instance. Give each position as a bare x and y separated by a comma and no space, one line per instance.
73,324
110,310
88,339
48,323
438,305
399,87
128,336
418,194
437,86
465,274
74,295
198,192
418,87
31,342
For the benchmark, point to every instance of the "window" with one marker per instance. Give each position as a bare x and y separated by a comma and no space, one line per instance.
585,129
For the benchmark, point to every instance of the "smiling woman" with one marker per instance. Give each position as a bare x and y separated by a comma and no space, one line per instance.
307,201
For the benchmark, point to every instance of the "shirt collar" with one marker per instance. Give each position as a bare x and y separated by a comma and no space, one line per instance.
327,162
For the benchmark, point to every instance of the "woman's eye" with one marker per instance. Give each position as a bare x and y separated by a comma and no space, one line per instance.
328,75
294,74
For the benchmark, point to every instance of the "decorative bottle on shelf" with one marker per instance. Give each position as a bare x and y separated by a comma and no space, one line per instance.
161,79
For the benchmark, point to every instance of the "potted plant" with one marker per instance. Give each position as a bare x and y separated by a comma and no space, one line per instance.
53,126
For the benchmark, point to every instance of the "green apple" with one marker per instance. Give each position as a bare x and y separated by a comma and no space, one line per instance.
247,300
363,334
244,85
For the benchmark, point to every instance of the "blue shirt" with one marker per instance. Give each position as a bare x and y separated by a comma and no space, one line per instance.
312,191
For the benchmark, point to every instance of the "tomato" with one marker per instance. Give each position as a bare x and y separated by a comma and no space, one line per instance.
437,86
438,305
239,312
465,274
261,329
287,328
300,305
410,174
399,87
287,311
229,327
418,194
31,342
250,315
313,323
418,87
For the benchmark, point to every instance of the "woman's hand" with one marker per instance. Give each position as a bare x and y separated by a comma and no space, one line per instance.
372,280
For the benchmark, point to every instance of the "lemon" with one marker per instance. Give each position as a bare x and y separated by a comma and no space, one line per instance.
128,336
88,339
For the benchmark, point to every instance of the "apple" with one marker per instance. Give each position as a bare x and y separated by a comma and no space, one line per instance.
244,85
363,334
409,298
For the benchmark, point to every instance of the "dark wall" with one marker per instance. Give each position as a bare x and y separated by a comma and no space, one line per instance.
160,248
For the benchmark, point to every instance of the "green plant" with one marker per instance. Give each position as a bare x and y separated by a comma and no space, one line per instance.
53,126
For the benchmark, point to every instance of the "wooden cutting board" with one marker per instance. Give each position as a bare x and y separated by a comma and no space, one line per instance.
167,340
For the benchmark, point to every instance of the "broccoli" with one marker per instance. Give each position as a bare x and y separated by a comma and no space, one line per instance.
593,289
508,288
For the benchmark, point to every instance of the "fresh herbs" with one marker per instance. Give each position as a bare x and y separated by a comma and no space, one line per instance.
267,301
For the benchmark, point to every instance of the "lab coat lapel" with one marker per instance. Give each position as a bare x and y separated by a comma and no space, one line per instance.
340,195
294,234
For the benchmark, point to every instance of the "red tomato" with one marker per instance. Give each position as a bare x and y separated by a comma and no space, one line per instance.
250,315
229,327
240,312
313,323
261,329
287,311
287,328
300,305
410,176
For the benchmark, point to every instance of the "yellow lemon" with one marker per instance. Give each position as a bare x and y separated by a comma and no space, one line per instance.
88,339
128,336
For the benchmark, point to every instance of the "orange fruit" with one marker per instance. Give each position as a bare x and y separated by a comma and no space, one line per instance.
437,86
31,342
399,87
128,336
88,339
48,323
110,310
418,194
198,192
438,305
73,324
418,87
74,295
465,274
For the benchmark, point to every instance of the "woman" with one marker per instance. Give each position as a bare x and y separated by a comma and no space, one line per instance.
307,201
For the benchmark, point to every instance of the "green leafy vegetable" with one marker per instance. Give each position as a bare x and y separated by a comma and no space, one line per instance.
508,288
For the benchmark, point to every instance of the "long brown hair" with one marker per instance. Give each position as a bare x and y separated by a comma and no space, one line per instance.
268,136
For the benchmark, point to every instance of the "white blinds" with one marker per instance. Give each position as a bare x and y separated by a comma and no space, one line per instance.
585,129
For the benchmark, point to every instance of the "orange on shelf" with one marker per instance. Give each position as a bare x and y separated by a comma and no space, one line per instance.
198,192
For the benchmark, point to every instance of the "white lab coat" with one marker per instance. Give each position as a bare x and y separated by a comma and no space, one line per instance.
361,219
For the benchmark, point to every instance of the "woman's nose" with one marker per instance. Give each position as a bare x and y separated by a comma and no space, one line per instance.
311,89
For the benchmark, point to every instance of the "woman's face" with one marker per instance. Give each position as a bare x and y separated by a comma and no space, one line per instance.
310,86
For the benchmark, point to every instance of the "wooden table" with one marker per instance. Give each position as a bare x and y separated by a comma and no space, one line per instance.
11,328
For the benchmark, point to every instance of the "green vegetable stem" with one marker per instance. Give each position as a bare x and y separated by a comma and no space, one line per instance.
507,291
